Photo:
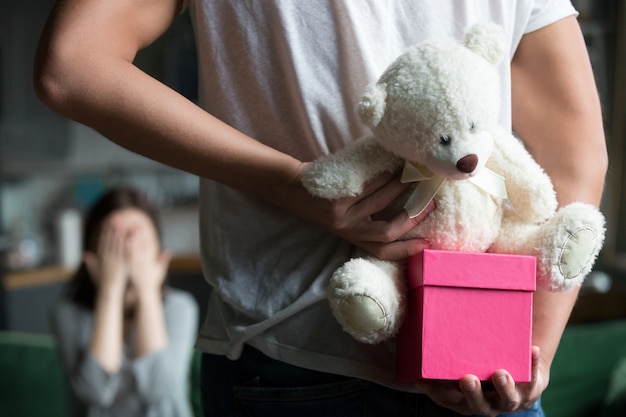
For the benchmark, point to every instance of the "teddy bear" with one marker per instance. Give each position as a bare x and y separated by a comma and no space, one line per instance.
433,116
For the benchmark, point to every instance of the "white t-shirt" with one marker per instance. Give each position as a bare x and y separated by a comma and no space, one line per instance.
289,73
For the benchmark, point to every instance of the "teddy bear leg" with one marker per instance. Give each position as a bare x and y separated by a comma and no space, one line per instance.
568,246
367,298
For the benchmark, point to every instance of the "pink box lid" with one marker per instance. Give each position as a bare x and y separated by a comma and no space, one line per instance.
473,270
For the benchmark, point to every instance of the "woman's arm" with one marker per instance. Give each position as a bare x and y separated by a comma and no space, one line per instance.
165,372
89,381
108,268
147,268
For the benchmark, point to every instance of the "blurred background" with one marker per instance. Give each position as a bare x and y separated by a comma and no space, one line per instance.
52,169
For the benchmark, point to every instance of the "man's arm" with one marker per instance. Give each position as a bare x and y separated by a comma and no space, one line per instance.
556,112
84,70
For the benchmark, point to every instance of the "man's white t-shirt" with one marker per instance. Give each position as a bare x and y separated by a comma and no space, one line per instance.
289,74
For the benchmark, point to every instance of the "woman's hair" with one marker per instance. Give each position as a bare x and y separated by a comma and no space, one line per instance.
81,289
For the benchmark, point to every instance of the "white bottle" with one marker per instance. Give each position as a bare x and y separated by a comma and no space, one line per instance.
69,230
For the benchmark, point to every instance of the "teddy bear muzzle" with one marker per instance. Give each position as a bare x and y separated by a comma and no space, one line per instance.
467,164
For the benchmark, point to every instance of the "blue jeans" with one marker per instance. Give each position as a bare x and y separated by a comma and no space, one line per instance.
258,386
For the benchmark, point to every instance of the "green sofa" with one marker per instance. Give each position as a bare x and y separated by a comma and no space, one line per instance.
590,364
32,382
588,375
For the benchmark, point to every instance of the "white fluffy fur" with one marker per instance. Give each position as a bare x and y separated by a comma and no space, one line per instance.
434,105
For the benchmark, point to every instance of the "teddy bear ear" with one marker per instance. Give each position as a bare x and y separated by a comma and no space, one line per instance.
487,40
371,108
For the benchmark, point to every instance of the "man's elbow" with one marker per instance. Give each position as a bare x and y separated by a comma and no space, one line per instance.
49,88
53,80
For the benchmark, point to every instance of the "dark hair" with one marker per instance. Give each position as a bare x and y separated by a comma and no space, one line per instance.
81,289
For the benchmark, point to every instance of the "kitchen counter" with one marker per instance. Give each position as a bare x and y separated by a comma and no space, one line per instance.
180,264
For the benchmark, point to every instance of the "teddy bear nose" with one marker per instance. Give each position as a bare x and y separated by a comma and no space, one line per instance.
467,164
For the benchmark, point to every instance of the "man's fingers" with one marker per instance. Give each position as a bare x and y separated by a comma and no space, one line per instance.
532,390
394,251
444,393
380,238
376,198
383,231
402,223
354,219
505,386
471,388
377,183
536,357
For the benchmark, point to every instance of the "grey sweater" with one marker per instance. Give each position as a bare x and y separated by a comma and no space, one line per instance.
155,385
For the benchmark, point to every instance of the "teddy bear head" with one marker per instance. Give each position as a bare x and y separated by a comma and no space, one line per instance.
437,104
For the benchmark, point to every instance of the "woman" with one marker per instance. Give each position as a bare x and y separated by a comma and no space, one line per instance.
126,339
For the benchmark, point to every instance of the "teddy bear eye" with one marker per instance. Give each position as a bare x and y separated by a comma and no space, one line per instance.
445,140
472,126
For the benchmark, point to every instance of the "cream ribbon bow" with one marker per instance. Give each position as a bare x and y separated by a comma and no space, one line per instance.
429,185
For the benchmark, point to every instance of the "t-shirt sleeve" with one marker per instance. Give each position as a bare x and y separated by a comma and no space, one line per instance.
546,12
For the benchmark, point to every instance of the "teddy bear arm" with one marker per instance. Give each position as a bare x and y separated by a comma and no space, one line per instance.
529,188
344,173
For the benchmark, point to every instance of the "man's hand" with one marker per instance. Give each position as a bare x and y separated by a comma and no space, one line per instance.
353,218
469,397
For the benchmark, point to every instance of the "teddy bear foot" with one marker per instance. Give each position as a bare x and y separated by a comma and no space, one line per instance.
580,246
577,253
363,317
367,300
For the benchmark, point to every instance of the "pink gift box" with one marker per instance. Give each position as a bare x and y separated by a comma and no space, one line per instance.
468,313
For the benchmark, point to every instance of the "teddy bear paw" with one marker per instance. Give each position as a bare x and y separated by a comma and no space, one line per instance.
568,246
363,317
577,255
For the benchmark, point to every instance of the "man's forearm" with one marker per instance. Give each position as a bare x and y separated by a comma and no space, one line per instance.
551,311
